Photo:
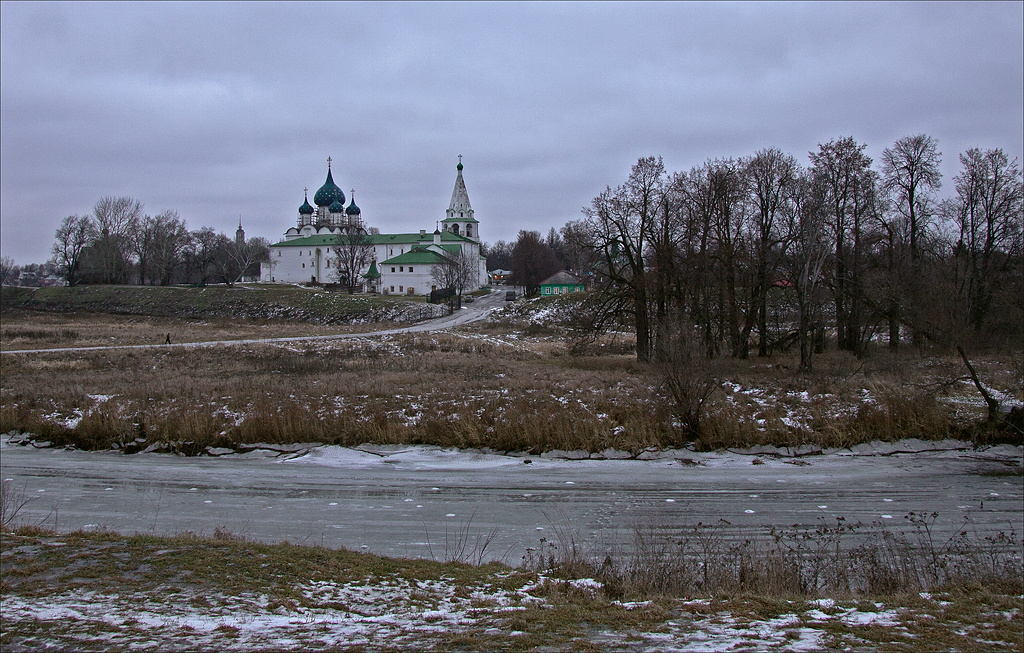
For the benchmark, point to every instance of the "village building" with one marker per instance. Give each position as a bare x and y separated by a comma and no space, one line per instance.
331,243
500,277
561,283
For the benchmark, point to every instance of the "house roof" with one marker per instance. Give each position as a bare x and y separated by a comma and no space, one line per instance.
310,241
562,278
412,239
418,255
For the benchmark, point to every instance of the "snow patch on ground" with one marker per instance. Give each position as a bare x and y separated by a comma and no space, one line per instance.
394,611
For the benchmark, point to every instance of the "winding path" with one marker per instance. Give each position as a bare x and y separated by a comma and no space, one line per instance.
468,314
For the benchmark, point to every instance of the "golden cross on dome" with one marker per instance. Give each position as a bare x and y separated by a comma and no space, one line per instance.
328,162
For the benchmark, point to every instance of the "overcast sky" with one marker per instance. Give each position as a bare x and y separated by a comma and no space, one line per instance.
221,110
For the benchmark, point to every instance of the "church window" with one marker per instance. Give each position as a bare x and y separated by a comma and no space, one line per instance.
392,269
410,268
401,289
278,253
303,265
401,268
392,289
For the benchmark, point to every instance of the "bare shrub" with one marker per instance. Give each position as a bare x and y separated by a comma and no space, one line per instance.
687,379
13,500
829,558
463,543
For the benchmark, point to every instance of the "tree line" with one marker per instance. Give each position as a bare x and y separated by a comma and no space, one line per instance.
119,244
759,254
530,259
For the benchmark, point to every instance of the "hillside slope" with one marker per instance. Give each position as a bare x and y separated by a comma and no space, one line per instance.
250,302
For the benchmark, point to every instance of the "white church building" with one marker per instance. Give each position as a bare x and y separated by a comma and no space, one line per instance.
312,250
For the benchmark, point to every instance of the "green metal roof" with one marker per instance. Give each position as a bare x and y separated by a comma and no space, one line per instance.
414,239
417,256
373,272
310,241
460,220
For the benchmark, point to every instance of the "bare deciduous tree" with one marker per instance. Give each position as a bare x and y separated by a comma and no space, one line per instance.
843,173
8,271
910,175
457,272
532,261
770,177
987,215
75,233
169,241
352,253
246,256
115,220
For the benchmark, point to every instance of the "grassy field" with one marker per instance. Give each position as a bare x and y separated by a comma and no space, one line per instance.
508,384
110,592
238,303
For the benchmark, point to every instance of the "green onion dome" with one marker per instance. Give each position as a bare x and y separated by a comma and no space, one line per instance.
336,207
306,209
329,192
352,208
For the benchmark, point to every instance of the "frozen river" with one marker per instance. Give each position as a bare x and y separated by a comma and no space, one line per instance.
401,501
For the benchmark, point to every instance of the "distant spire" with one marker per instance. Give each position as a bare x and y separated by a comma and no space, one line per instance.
459,206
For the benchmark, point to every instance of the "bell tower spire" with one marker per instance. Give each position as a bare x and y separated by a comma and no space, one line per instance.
459,216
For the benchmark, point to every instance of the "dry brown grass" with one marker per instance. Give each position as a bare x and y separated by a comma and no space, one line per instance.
832,558
37,330
482,387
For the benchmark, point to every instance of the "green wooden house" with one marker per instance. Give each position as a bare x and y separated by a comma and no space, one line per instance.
561,283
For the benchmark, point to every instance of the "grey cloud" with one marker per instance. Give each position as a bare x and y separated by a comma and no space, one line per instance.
221,109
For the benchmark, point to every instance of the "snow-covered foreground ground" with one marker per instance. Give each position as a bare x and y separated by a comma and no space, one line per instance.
422,501
419,615
107,594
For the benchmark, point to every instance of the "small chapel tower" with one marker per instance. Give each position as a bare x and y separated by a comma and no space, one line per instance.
239,233
459,216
